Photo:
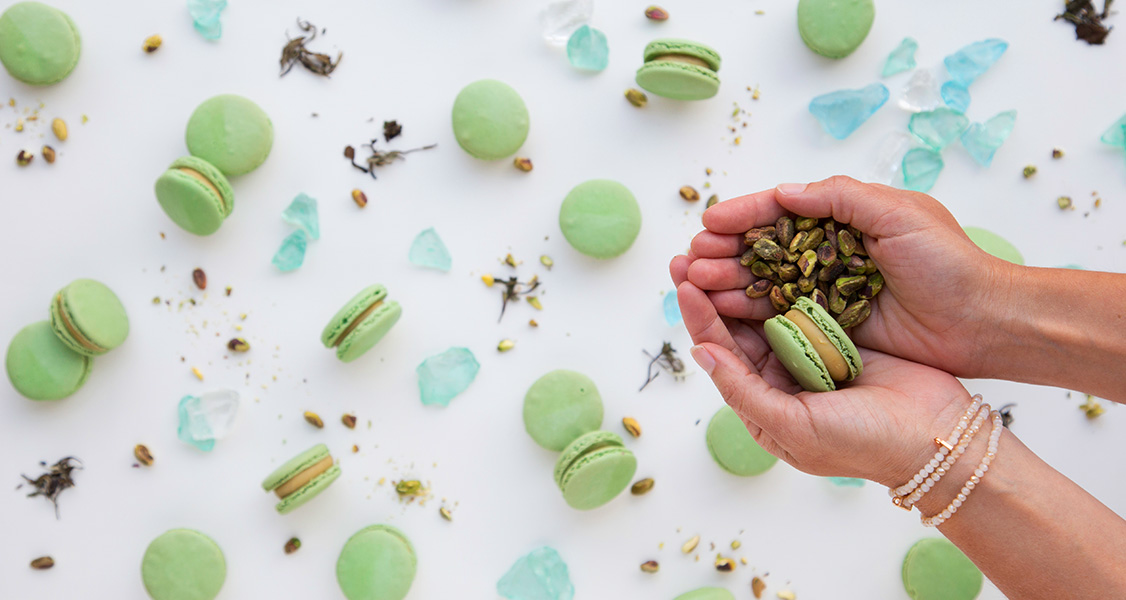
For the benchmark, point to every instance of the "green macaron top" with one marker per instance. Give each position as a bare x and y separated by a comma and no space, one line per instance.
231,132
995,244
490,119
89,318
836,334
835,28
377,563
39,44
41,367
361,323
594,469
561,406
672,47
935,569
734,448
600,218
195,195
183,564
707,593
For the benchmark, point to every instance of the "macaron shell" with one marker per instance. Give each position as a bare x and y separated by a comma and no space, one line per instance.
294,466
369,331
708,593
231,132
309,490
352,309
41,367
995,244
677,80
798,356
377,563
835,28
94,311
191,203
835,333
734,448
582,445
39,44
600,218
665,47
182,564
935,569
560,407
598,477
490,119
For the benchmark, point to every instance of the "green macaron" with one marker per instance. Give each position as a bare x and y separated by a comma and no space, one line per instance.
679,69
230,132
183,564
41,367
600,218
377,563
39,44
733,448
490,119
935,569
561,406
708,593
835,28
995,244
195,195
89,318
813,347
301,478
367,317
594,469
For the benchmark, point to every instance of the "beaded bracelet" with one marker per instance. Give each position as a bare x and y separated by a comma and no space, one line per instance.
979,472
944,448
947,464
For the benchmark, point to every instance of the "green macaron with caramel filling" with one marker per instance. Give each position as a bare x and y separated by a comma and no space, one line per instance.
594,469
679,70
363,321
89,318
195,195
302,477
813,347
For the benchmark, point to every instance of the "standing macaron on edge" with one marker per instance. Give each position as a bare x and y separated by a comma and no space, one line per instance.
679,70
301,478
361,323
195,195
89,318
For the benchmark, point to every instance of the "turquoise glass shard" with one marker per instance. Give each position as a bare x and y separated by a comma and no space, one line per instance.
672,309
207,418
841,112
967,64
956,96
921,167
982,140
445,375
205,17
938,127
540,575
1115,135
902,58
427,250
847,481
302,213
291,255
587,49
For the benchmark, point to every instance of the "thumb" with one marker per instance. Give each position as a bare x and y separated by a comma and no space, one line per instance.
744,389
878,211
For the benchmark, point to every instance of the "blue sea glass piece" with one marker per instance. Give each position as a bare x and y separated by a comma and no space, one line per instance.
427,250
841,112
540,575
302,213
205,17
902,58
445,375
967,64
588,50
938,127
1115,135
921,167
956,96
207,418
291,255
982,140
672,309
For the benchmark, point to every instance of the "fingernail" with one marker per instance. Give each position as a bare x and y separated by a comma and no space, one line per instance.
791,189
703,358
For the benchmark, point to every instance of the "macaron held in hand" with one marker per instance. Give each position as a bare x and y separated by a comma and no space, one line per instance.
302,478
195,195
39,44
813,347
41,367
363,321
377,563
679,70
89,318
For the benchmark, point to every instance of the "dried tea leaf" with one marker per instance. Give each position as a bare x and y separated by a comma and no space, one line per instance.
391,130
295,52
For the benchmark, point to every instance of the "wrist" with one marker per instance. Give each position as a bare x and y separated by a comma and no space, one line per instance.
923,447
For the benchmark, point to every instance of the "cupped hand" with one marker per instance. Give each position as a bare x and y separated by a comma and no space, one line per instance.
879,427
940,288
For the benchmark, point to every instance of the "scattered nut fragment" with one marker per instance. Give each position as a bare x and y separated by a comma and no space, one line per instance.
637,97
757,586
1092,408
359,197
24,158
642,487
292,545
712,201
689,193
410,487
355,449
787,595
1064,202
509,260
198,374
650,566
349,421
632,426
314,419
152,43
724,565
505,345
200,279
1057,153
735,544
535,302
1029,171
446,514
690,545
656,13
48,154
141,452
19,125
489,280
43,562
238,345
523,164
546,261
58,127
532,323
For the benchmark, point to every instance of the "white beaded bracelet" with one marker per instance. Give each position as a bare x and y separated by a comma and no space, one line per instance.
979,472
944,449
947,464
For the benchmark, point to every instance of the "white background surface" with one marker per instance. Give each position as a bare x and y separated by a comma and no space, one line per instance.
93,214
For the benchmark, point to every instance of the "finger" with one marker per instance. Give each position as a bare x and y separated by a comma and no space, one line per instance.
678,269
737,215
701,319
747,392
708,244
877,211
750,337
736,305
719,274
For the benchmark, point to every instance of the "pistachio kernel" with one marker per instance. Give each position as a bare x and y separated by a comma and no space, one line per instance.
19,125
349,420
1092,408
712,201
355,449
410,487
505,345
58,127
48,154
689,193
489,280
152,43
24,158
200,279
650,566
508,260
787,595
198,374
238,345
535,302
735,544
1057,153
1029,171
656,13
758,586
522,164
292,545
359,197
724,565
760,288
532,323
43,562
446,514
314,419
690,545
1064,202
142,454
637,97
642,487
632,426
546,261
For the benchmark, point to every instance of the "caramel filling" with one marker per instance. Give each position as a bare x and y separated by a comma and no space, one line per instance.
684,58
299,480
356,322
78,337
833,359
199,176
